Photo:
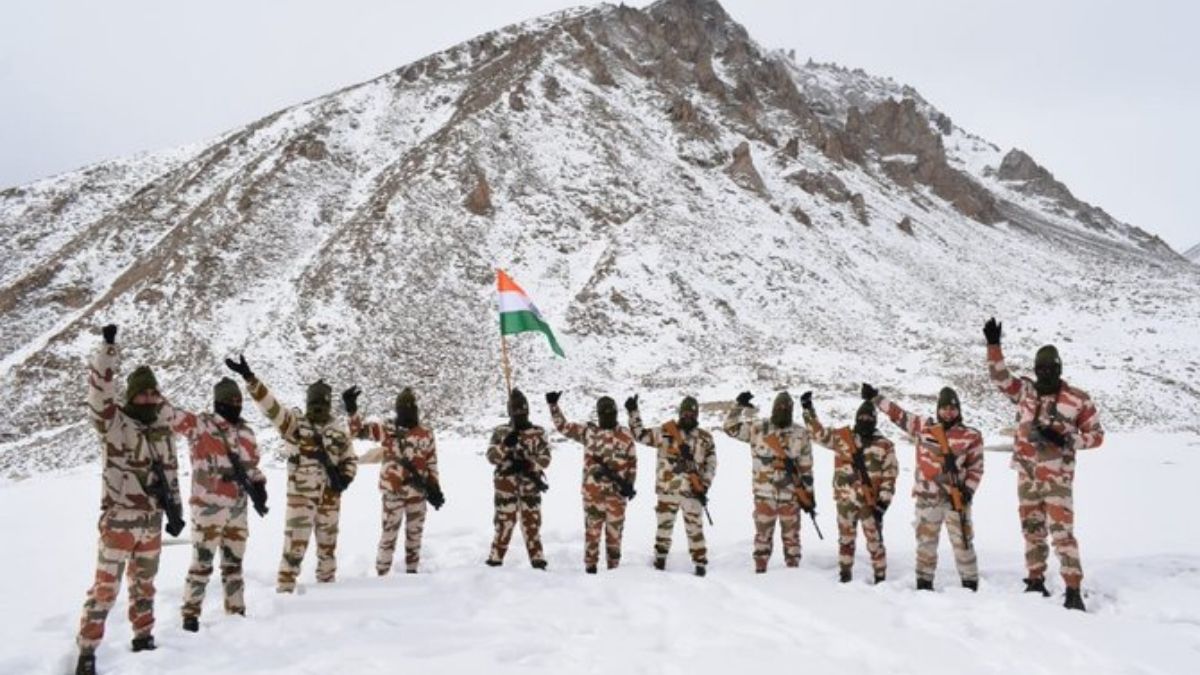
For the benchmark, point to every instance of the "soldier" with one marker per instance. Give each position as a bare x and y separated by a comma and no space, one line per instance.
782,463
1054,421
864,482
609,474
407,478
687,462
139,484
320,465
949,469
224,456
521,455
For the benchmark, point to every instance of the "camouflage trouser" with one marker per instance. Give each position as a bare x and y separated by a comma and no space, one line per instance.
396,508
850,518
304,514
130,542
668,505
767,510
216,528
509,508
930,514
603,513
1048,505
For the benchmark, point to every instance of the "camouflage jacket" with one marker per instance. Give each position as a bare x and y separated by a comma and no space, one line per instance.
672,474
770,475
1070,411
415,445
210,440
306,475
532,446
129,447
613,448
929,477
878,459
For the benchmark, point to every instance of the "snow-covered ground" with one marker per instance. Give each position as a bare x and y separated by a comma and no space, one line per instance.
1138,534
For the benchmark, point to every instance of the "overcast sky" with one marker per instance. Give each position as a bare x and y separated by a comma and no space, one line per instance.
1104,94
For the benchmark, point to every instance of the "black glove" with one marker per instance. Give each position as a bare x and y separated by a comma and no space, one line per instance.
702,498
806,401
350,399
552,397
346,481
240,367
631,403
991,331
435,497
174,524
522,465
1052,436
968,494
110,333
868,392
948,464
258,496
511,439
743,399
882,505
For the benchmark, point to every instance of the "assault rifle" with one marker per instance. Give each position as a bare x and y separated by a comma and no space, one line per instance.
337,482
687,466
522,466
256,491
956,490
624,487
433,491
160,489
803,495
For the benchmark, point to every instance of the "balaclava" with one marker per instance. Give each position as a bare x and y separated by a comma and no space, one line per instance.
606,411
1048,368
407,414
864,422
227,400
689,413
140,380
318,403
518,410
948,396
781,410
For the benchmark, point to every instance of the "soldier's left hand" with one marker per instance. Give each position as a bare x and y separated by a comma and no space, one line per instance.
1054,436
350,399
868,392
806,401
631,403
511,438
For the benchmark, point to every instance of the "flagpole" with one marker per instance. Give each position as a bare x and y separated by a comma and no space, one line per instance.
504,362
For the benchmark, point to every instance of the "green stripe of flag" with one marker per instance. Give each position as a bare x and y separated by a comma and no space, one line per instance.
524,321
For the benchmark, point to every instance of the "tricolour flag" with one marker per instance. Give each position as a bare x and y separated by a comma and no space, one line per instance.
518,314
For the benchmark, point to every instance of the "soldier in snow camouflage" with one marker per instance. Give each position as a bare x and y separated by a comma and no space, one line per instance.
1054,421
320,460
949,469
781,453
520,454
135,438
609,474
687,462
408,455
219,505
864,482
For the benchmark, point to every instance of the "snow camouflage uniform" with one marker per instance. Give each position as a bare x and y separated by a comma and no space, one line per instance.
403,502
219,506
857,502
311,503
775,488
1045,471
603,505
673,484
517,496
930,480
130,518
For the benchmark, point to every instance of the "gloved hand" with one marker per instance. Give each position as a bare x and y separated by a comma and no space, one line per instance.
991,331
968,494
435,497
350,400
948,464
511,439
552,397
702,498
806,401
175,524
240,367
881,507
743,399
258,497
110,333
868,392
631,403
1054,437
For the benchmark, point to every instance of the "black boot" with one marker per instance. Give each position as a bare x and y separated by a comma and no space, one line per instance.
144,644
1074,600
700,571
880,577
844,575
1037,586
86,665
590,569
924,584
492,562
191,624
660,563
972,584
538,564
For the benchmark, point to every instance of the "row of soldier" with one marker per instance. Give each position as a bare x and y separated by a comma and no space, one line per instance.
140,487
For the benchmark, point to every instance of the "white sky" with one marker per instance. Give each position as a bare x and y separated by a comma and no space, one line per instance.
1104,94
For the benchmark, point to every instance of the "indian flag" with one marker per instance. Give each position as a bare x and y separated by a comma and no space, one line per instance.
518,314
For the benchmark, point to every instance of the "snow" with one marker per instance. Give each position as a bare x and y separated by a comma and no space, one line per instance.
1140,548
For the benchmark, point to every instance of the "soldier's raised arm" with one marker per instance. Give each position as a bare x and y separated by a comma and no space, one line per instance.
1012,386
646,436
913,425
280,417
102,389
819,433
740,419
571,430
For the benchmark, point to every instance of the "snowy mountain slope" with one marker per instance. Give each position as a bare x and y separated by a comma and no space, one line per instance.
691,213
1142,586
1193,253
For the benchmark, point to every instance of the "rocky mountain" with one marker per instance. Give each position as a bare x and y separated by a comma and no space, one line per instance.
1193,253
691,212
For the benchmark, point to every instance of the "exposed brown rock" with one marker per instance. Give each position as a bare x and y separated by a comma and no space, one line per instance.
479,200
815,183
742,170
905,225
859,206
801,217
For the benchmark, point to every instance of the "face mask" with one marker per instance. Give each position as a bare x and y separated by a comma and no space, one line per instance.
318,403
518,410
229,412
146,413
1048,368
781,411
407,414
864,422
606,411
948,398
689,414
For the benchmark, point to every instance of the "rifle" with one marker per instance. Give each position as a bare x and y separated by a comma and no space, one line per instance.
690,468
522,459
624,487
803,495
160,489
255,491
433,491
955,490
337,482
859,461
